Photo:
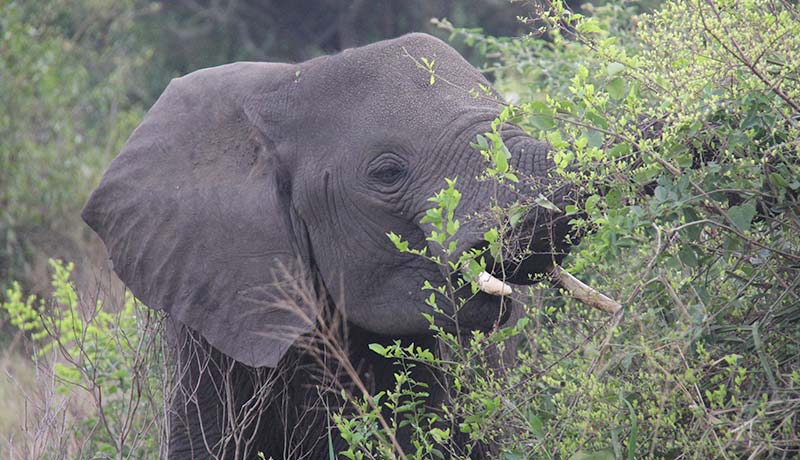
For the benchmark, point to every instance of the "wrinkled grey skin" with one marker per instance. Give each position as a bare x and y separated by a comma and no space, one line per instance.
242,168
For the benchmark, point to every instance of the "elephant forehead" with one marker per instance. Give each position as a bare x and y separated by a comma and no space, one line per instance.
399,81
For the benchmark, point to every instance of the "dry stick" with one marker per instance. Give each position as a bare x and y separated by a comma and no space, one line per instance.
582,292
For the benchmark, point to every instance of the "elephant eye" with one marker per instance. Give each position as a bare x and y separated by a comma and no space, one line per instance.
388,169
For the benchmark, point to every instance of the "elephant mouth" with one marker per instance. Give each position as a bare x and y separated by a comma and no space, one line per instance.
490,306
484,312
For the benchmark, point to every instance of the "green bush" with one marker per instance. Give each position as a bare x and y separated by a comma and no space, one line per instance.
114,360
682,128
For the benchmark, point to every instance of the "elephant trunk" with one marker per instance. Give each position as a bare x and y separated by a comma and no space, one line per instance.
541,238
545,234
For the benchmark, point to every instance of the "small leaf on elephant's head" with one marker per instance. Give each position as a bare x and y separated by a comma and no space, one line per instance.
481,140
452,227
501,162
398,242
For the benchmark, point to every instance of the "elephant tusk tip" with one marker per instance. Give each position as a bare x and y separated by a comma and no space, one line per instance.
493,286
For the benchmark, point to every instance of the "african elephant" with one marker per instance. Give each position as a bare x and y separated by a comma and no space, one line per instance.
247,178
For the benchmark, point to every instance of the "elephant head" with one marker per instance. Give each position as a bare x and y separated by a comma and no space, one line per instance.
245,177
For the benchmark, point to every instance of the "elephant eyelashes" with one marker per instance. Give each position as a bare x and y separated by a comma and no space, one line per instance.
387,170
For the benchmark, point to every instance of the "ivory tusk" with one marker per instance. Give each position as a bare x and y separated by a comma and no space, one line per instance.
582,292
491,285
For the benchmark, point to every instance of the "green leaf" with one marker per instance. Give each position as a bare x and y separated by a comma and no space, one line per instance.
591,203
688,256
398,242
692,232
501,161
543,121
596,119
513,455
614,68
378,348
452,227
614,198
542,201
516,213
542,116
596,138
482,143
742,215
491,235
583,72
535,422
440,435
778,180
621,149
634,430
616,88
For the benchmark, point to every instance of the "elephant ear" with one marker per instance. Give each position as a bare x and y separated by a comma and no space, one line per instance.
196,215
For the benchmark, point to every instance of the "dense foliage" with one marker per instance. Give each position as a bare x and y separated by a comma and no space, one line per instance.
682,125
